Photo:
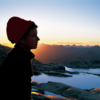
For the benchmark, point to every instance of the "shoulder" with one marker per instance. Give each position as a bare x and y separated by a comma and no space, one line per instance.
11,54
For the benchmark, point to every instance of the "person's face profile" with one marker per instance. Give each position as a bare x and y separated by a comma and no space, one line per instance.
32,39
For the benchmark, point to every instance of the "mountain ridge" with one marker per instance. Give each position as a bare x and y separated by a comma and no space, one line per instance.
62,54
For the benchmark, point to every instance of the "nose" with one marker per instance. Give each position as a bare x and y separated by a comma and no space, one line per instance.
38,38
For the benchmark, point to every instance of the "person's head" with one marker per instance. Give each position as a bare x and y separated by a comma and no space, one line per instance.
20,31
30,38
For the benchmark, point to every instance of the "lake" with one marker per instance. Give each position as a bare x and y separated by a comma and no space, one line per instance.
82,80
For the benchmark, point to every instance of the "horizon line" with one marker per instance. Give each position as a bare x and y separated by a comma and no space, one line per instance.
39,44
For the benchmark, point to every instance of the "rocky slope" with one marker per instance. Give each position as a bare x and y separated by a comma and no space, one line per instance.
69,92
3,52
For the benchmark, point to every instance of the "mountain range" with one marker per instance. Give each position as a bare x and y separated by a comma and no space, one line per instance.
60,53
66,54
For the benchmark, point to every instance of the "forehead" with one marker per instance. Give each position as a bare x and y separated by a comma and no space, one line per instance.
33,31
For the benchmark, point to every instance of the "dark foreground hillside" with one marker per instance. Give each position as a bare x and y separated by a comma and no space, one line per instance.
3,52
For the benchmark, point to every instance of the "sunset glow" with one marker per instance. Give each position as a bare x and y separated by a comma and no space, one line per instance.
49,96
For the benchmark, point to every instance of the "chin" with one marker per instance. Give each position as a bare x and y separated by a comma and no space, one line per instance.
34,47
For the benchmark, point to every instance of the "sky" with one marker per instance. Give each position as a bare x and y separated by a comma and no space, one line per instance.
59,21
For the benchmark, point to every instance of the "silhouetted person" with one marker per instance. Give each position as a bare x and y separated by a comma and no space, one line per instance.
16,68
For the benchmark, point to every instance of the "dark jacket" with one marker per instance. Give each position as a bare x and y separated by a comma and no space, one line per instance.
15,74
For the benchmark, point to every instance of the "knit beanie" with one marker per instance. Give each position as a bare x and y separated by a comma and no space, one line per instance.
16,27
